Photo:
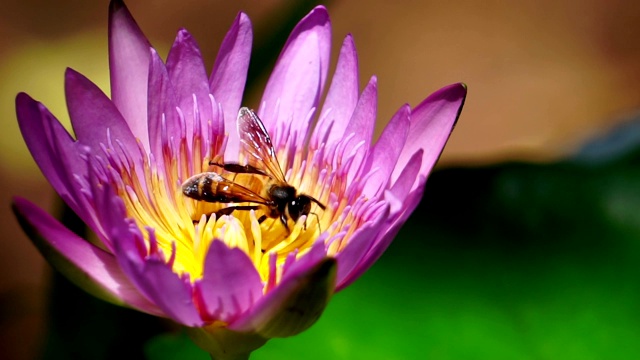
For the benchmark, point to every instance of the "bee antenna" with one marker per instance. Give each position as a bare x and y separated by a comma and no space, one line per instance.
321,205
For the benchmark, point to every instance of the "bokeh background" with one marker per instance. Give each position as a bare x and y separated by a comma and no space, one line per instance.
526,245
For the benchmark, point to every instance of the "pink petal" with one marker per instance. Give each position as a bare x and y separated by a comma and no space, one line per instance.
298,300
431,124
296,83
388,233
229,75
361,125
57,154
359,244
94,118
129,64
164,121
403,184
385,152
93,269
189,78
152,276
42,132
231,284
341,99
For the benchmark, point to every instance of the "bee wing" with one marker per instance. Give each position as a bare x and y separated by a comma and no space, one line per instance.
211,187
257,144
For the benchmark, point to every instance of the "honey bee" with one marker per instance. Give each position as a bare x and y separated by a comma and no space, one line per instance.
278,198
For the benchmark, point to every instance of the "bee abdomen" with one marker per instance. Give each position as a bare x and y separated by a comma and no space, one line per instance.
209,187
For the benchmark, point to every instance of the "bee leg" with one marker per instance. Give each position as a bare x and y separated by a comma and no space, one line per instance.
262,219
317,220
198,221
230,209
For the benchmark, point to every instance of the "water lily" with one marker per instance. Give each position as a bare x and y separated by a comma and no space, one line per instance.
234,279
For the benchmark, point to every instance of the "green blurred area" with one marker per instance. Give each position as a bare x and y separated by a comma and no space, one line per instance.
514,261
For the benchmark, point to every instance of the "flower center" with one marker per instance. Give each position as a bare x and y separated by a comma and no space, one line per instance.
184,228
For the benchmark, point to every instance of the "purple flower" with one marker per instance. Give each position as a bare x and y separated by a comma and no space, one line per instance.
234,279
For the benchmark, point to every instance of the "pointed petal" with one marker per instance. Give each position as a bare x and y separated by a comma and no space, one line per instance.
341,99
229,75
231,284
57,154
295,304
361,125
94,118
151,275
41,132
385,152
161,107
409,176
298,78
431,124
386,236
388,231
359,244
189,78
92,269
129,65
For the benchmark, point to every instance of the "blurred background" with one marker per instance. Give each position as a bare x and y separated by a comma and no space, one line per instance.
526,245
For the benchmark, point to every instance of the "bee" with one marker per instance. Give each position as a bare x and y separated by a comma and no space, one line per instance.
278,198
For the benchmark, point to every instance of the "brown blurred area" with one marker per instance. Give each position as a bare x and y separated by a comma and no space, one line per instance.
543,76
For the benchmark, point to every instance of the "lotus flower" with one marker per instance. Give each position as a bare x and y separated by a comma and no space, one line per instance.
233,279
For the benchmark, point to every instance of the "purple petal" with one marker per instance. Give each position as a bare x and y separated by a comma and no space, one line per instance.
361,125
129,64
94,118
42,132
403,184
161,107
431,124
386,236
296,303
385,152
341,99
57,154
359,244
231,284
229,75
390,229
298,78
189,78
152,276
88,266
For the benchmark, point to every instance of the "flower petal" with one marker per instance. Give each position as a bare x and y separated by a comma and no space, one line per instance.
298,78
385,152
42,132
403,184
341,99
296,303
431,124
230,284
95,119
164,122
229,75
129,64
151,275
359,244
361,125
189,79
92,269
57,154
